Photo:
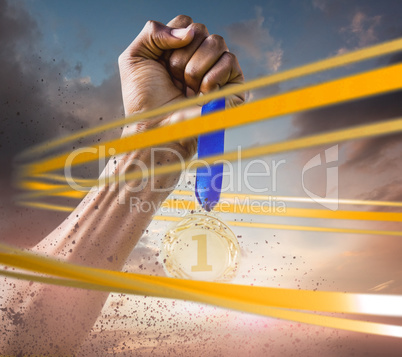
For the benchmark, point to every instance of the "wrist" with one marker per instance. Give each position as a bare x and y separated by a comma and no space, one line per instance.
185,149
147,186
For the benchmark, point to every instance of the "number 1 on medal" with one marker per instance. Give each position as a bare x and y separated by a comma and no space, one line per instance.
201,254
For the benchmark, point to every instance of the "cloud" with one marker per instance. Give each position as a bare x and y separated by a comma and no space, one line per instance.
369,152
145,258
390,191
264,92
374,162
38,101
375,153
342,51
361,31
367,265
254,40
274,59
320,4
370,169
382,286
41,98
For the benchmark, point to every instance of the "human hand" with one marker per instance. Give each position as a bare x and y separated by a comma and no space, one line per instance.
165,64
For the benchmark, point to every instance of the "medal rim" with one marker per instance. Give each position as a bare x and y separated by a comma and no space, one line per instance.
169,242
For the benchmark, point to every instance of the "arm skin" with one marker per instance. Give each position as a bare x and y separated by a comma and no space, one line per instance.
162,65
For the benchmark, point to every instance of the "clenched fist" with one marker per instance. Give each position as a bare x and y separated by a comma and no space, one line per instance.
165,64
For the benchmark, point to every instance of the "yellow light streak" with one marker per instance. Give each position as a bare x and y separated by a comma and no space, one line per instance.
252,299
358,132
353,87
315,67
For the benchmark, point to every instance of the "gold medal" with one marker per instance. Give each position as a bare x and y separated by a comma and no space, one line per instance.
201,247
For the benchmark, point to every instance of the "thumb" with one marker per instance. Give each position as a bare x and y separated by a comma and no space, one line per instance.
156,38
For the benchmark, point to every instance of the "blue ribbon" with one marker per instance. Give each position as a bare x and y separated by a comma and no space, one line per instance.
208,182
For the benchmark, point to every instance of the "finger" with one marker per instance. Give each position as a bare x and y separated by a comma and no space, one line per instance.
180,21
226,72
155,38
180,57
203,60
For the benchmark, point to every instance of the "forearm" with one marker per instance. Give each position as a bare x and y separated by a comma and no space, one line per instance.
101,232
164,64
106,223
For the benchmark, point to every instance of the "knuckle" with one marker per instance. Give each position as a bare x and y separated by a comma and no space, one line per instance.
122,59
199,29
230,57
191,72
184,18
217,39
233,63
235,100
210,80
176,64
152,26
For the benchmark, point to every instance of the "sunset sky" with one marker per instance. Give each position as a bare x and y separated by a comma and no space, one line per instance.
58,69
